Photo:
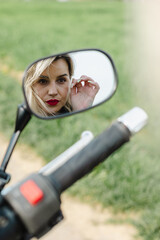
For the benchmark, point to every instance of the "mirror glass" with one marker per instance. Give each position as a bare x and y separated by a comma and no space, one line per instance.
67,83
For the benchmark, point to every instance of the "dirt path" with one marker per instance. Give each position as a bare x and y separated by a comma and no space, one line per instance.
82,222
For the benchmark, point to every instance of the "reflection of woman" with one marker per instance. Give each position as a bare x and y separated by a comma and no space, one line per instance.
50,91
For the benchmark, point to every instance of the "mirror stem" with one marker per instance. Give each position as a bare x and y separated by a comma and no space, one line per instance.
23,117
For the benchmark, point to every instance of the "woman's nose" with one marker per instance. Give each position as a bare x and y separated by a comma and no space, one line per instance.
52,89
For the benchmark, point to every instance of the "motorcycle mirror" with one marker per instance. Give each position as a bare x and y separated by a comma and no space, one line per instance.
67,83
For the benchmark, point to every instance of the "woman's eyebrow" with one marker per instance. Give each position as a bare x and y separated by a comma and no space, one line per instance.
63,75
43,76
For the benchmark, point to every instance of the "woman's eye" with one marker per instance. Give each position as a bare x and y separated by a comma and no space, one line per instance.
42,81
61,80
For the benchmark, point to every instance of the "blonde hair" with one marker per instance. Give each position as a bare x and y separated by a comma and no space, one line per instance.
35,102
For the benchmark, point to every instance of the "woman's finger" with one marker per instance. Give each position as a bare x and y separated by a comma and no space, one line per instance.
74,82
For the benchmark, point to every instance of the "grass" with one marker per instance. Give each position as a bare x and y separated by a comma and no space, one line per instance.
129,179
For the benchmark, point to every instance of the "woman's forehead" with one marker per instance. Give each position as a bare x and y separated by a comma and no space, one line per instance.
56,68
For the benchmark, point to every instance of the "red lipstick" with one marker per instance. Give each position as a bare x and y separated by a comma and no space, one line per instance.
53,102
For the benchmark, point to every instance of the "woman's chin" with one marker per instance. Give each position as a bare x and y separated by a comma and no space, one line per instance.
54,110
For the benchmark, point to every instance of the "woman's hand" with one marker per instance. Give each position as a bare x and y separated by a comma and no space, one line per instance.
83,92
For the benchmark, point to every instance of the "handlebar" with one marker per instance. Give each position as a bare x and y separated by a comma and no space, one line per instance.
89,157
35,201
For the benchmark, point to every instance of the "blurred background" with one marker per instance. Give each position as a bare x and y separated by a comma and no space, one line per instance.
129,181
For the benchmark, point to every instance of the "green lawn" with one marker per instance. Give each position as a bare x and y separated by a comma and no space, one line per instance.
128,180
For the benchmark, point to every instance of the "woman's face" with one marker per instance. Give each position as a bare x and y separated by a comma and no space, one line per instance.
53,85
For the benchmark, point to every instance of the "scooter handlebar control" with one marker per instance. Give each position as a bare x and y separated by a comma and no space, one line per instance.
32,207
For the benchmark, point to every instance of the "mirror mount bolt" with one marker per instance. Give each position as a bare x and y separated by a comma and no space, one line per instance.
4,179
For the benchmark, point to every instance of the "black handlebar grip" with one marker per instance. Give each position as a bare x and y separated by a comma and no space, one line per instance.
93,154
